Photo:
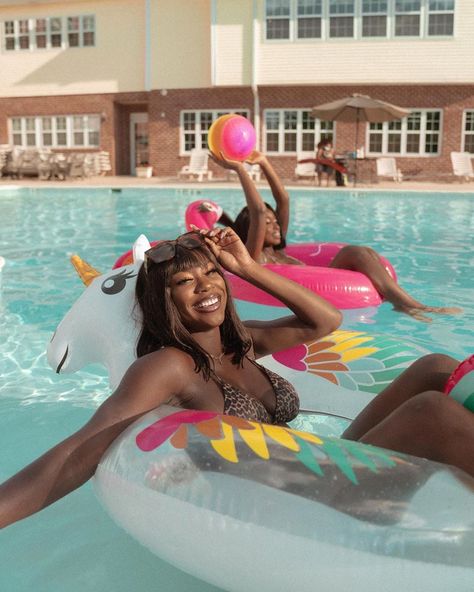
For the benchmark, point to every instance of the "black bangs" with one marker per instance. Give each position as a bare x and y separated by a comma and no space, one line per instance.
185,258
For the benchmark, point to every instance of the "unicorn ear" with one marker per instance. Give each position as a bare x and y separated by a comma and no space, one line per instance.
141,245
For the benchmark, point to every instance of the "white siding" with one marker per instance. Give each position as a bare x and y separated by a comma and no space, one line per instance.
115,64
420,61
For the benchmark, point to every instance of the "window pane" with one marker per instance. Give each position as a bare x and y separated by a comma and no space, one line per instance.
88,23
341,26
441,24
73,23
47,139
433,120
307,122
89,39
441,5
413,143
46,124
189,141
56,40
407,5
278,29
10,43
93,138
62,139
17,140
431,143
375,143
394,143
374,26
290,120
374,6
206,120
16,124
309,7
341,6
407,25
309,28
73,39
272,142
9,27
290,142
308,141
414,121
278,8
272,120
469,144
469,125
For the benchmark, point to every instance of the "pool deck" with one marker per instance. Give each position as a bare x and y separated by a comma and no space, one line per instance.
130,181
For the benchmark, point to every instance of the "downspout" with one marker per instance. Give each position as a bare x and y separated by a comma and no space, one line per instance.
213,42
147,45
254,82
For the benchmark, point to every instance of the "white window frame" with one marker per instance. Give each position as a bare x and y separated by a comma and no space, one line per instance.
465,132
342,15
390,14
430,12
93,118
199,133
371,13
49,33
404,132
318,130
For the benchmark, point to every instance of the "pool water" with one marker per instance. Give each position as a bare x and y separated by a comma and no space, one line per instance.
73,545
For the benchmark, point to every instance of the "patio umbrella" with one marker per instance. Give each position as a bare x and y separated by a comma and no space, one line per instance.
358,108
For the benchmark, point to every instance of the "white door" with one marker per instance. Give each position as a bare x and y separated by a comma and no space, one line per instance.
138,140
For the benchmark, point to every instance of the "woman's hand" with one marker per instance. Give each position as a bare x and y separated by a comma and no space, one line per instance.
228,249
256,157
226,163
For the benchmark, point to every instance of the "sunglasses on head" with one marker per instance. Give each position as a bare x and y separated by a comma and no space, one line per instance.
166,250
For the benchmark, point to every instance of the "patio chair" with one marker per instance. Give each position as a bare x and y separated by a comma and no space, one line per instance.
13,161
5,150
253,171
305,170
197,165
387,167
462,165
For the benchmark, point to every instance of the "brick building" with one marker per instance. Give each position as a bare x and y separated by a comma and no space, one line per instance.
143,79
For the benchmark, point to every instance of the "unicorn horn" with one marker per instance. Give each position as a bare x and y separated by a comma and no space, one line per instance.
85,271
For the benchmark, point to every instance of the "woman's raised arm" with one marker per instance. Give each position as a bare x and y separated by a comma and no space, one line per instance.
313,316
72,462
255,204
280,194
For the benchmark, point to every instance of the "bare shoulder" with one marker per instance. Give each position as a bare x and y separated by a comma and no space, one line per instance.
168,364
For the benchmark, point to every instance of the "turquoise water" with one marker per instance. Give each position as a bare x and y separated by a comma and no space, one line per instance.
73,545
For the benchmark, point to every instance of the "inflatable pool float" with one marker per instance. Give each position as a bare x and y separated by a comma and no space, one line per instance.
247,506
343,288
326,162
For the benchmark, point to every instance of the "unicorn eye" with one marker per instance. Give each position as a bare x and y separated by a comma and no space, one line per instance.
114,284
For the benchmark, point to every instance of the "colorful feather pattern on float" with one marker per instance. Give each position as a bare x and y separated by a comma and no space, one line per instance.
222,431
352,359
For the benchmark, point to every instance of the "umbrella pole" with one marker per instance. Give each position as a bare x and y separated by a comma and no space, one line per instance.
356,144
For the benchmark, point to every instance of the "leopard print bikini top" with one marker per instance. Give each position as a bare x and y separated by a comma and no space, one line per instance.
241,404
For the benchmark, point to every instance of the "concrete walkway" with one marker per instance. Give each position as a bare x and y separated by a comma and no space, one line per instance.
129,181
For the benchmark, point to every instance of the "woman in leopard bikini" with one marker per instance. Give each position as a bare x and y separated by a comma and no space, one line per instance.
194,352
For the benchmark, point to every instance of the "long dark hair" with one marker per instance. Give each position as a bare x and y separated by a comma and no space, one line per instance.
161,322
242,224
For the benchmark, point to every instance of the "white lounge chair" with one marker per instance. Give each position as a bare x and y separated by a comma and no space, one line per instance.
253,171
387,167
462,165
305,170
197,165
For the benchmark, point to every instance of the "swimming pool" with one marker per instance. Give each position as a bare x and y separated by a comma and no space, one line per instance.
74,545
